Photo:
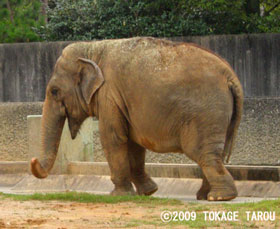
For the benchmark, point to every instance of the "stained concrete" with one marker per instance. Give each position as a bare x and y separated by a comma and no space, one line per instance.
13,130
13,167
168,187
260,173
25,70
250,173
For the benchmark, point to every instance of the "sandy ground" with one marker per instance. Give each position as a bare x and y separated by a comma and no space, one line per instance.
67,215
62,215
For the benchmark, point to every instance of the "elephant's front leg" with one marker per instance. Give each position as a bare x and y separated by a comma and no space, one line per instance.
113,136
142,181
117,157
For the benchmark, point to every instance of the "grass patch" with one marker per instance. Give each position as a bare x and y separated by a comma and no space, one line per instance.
262,206
91,198
265,205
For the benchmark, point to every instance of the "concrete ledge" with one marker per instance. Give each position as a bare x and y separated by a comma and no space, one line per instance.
13,167
265,173
258,173
9,180
168,187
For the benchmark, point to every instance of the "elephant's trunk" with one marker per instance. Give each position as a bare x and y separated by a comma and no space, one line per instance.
52,125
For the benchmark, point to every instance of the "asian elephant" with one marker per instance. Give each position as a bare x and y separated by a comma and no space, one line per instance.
151,94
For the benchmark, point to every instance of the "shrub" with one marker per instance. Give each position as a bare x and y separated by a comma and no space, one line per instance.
18,20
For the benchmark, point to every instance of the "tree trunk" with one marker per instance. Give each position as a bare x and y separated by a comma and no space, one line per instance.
44,10
252,7
10,10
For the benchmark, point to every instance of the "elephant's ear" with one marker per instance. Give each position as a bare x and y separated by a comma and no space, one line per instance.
91,78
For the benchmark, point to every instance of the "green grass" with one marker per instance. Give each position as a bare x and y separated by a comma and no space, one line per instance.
265,205
90,198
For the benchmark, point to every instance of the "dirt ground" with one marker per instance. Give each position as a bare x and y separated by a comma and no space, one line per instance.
62,215
68,215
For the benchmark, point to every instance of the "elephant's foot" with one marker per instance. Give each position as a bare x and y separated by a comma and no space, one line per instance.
224,190
123,191
202,193
146,188
122,188
221,195
204,190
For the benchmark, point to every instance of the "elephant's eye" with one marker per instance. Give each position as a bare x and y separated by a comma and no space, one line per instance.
54,91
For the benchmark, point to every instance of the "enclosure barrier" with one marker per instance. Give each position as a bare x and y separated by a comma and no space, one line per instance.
25,68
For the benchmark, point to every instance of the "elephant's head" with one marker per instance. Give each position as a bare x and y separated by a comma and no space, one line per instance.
68,95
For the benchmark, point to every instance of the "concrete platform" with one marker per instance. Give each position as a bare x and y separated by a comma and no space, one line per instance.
180,181
13,167
183,188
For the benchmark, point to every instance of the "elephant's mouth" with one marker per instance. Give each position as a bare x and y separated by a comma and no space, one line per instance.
74,126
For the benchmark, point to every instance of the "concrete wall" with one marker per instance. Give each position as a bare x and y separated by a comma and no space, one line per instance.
254,57
13,129
26,68
258,140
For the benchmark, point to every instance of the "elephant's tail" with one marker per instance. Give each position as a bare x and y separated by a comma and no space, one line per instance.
237,93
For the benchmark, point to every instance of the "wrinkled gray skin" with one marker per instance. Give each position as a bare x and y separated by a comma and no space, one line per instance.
147,94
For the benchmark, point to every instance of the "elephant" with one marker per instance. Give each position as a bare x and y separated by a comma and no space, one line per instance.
147,93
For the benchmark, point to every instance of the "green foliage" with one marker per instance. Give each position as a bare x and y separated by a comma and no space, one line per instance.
69,20
101,19
18,18
234,17
87,20
270,22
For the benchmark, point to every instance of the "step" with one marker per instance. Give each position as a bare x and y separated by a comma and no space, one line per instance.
239,172
167,187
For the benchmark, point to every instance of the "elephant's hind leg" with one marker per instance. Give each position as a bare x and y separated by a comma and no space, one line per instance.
205,146
142,181
221,183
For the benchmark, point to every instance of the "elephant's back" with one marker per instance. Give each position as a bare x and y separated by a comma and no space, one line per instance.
158,59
